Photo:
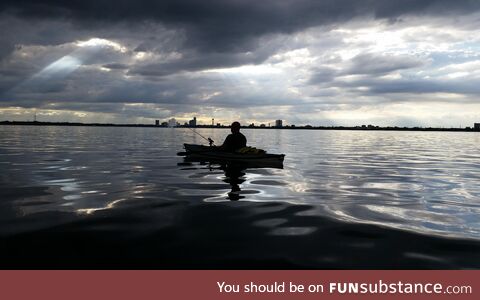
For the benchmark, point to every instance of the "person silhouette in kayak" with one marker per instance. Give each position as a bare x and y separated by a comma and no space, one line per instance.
235,140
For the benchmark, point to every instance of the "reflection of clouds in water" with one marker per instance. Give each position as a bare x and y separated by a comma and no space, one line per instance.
83,188
67,185
110,205
62,193
270,222
376,180
406,180
292,231
395,186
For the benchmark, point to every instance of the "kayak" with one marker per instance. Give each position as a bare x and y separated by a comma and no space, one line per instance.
214,154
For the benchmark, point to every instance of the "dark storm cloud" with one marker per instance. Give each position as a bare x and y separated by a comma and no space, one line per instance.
197,62
213,34
469,87
412,86
365,64
165,44
381,64
87,87
230,26
116,66
16,33
323,75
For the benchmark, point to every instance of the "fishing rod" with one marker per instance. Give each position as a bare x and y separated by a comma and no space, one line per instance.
210,141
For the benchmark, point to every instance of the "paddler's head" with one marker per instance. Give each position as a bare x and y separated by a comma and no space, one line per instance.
235,127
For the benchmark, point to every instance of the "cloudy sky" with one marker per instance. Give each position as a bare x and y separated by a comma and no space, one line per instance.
319,62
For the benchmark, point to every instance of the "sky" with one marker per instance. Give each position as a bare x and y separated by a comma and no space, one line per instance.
317,62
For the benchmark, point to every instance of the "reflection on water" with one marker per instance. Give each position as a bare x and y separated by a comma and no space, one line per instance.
338,193
234,174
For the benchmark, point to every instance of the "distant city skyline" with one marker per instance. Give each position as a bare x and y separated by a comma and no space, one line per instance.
317,62
193,121
172,123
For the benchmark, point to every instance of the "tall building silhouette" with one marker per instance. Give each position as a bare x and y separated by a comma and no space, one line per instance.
172,122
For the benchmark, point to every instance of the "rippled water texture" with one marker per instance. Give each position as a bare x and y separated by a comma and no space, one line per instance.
94,197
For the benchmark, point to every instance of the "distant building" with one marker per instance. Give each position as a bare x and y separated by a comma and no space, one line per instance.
172,122
476,126
193,122
279,123
157,122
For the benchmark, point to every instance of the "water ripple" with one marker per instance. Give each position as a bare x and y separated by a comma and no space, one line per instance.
421,182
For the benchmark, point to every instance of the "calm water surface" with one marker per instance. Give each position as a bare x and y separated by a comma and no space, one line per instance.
88,197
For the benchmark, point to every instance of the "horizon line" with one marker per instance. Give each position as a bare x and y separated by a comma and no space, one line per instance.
476,126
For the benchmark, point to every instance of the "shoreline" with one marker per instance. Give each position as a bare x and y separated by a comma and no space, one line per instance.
363,127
